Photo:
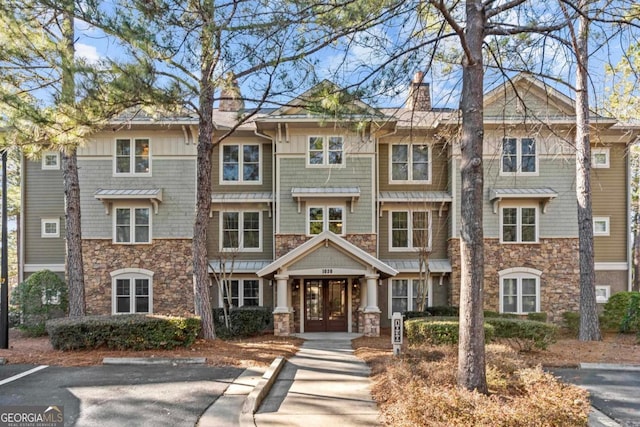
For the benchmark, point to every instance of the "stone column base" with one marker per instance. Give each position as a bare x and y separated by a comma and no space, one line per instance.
360,322
282,324
371,324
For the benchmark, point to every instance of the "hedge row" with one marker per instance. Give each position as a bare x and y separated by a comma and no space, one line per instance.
131,331
243,321
438,330
525,334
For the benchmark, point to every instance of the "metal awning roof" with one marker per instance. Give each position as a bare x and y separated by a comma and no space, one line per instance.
306,193
237,266
154,195
256,197
412,265
414,196
545,194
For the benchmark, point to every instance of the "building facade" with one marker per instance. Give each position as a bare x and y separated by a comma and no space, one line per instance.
336,222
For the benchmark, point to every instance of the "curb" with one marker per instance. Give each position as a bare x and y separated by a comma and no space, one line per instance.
153,361
610,366
600,419
256,396
3,361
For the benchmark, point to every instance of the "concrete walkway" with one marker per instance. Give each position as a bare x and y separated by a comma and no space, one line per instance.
324,384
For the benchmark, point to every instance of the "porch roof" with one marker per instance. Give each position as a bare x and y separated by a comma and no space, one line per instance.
544,194
324,238
414,196
256,197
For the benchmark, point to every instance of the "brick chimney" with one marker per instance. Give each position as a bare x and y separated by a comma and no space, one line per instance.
230,98
419,95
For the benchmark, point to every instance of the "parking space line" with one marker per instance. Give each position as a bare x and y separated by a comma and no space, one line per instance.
23,374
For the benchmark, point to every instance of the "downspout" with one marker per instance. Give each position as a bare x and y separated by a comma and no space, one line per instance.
21,236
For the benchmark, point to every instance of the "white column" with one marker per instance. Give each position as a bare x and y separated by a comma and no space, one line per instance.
372,294
363,296
282,294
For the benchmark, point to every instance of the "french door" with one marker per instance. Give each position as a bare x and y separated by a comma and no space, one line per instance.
325,305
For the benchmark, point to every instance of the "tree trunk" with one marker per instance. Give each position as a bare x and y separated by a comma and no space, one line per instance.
636,247
201,291
471,354
589,326
74,264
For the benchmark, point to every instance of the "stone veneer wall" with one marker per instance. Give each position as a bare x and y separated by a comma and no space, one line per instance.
170,260
285,243
556,258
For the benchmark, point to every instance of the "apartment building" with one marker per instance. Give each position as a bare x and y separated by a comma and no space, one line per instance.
337,221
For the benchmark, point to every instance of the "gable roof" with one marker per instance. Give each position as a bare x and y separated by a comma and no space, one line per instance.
328,237
297,107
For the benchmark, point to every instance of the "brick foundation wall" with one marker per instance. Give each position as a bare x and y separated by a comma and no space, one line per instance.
170,260
556,258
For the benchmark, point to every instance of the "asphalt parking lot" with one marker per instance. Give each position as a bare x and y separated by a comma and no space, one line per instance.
614,392
122,395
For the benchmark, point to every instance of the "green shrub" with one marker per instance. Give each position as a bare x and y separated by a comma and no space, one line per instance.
443,311
244,321
415,314
489,313
123,332
43,296
524,334
438,330
537,317
620,310
572,322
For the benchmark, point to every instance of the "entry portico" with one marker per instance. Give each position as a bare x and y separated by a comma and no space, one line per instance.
327,284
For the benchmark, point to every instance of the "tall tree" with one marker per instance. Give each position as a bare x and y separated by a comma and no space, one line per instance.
589,327
202,47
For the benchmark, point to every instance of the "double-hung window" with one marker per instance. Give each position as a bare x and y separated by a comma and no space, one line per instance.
410,230
132,225
408,294
520,293
132,291
325,151
411,163
241,230
133,156
241,163
519,224
519,156
244,292
323,218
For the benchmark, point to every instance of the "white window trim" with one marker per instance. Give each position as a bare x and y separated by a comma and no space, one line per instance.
325,152
131,207
607,291
240,247
409,248
51,167
519,273
241,290
518,171
410,293
43,232
325,218
606,220
132,157
131,273
607,154
410,161
240,180
519,223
